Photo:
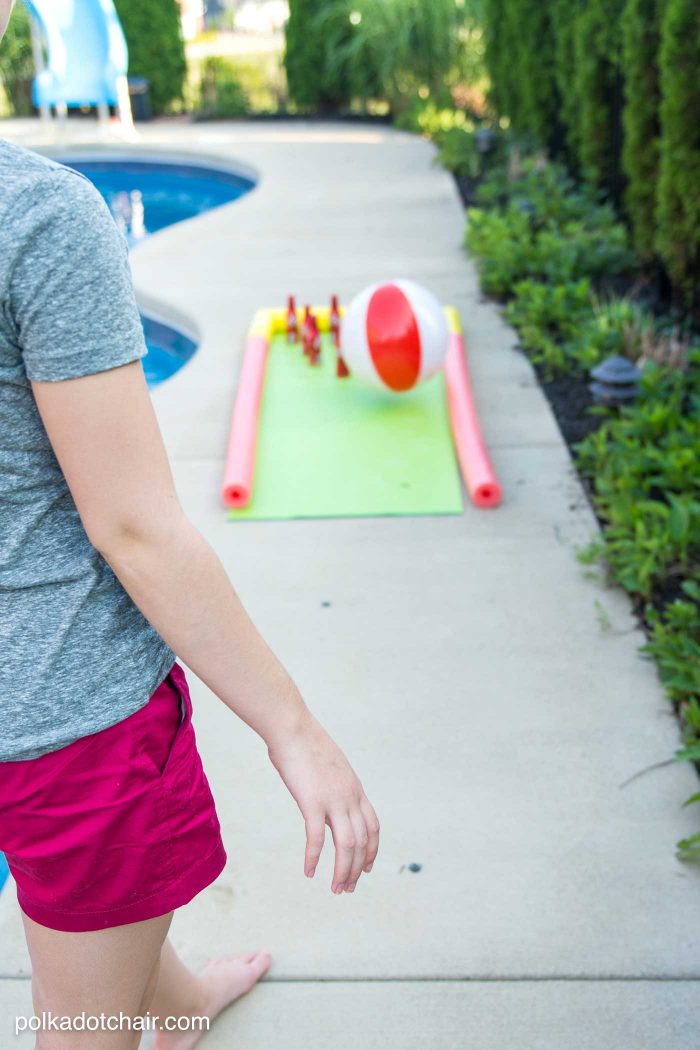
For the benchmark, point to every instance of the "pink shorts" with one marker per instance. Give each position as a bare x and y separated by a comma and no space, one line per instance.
117,827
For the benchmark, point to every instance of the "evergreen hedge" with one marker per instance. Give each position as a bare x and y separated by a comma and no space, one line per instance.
388,51
640,118
398,48
500,47
156,48
678,210
612,88
541,103
564,15
314,31
598,88
521,60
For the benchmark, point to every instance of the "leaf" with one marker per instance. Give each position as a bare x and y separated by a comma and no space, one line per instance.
687,849
679,519
692,589
689,754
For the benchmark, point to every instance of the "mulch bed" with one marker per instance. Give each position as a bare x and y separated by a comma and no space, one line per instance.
571,400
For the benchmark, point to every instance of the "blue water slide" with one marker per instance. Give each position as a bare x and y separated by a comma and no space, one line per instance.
84,53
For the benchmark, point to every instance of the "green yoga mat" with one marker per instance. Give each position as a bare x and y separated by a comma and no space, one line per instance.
334,448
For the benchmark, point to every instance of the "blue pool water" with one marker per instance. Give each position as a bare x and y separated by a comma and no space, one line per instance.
145,196
168,350
3,870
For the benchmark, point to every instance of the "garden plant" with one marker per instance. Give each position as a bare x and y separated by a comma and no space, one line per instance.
587,229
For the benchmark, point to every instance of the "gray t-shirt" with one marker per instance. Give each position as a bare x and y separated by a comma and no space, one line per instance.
76,653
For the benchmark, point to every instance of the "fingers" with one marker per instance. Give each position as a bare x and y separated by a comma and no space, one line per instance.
372,825
344,841
315,835
356,839
361,837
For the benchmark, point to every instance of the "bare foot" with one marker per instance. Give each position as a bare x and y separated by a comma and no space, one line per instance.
223,981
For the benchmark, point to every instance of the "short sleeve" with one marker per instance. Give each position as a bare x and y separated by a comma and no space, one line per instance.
71,295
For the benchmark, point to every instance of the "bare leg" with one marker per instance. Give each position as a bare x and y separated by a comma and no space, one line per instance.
180,994
102,972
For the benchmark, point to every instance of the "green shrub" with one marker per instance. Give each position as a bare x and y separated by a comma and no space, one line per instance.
263,81
458,153
543,227
674,642
663,424
552,194
156,48
260,77
509,248
564,328
17,63
646,487
546,316
640,117
432,118
646,541
221,92
315,35
642,461
502,244
614,326
469,66
678,213
397,48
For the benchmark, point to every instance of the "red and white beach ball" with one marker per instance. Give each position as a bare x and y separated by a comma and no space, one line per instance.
394,335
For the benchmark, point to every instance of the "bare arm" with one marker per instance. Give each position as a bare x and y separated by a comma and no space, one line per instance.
105,435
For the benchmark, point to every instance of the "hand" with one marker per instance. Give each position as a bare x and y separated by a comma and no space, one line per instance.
327,791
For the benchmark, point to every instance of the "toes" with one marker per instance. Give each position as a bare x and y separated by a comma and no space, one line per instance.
260,963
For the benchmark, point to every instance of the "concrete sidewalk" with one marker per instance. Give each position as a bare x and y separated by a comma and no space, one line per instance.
491,710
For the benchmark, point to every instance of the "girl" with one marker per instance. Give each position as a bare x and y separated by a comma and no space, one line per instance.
106,817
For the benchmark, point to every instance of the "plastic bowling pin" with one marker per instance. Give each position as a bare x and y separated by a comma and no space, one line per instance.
292,322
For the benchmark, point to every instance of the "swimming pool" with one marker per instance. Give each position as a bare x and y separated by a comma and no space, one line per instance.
168,349
146,195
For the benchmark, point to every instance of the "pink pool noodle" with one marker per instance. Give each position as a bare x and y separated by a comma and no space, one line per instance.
477,469
237,485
